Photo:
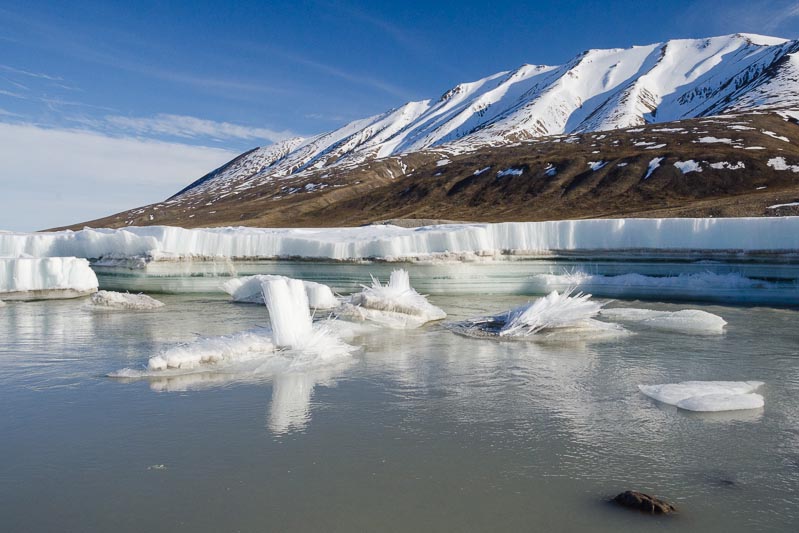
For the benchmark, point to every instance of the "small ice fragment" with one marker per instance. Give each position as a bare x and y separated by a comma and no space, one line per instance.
123,300
707,395
685,321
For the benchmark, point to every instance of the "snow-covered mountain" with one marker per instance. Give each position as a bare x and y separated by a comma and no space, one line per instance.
597,90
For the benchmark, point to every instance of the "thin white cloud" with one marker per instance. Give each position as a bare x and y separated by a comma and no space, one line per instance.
193,127
54,177
30,74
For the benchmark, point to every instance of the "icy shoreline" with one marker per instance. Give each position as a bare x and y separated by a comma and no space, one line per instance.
772,236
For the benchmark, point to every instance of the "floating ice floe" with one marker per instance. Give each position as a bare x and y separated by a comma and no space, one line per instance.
707,396
686,321
28,278
561,315
248,290
396,304
124,300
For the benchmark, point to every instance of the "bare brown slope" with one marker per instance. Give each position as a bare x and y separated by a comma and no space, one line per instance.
553,179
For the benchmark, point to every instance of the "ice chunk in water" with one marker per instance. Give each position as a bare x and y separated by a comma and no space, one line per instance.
555,317
212,351
395,304
686,321
122,300
302,344
248,290
287,302
553,311
707,395
23,278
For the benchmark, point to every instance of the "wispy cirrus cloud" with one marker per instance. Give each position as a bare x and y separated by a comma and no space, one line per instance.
771,17
39,75
352,77
192,127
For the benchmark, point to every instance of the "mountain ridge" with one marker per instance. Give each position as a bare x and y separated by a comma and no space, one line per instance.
612,90
597,90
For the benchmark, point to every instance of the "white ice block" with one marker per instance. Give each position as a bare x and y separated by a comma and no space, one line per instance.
24,278
248,289
707,395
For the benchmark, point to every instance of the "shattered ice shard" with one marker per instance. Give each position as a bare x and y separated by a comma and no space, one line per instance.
559,314
395,304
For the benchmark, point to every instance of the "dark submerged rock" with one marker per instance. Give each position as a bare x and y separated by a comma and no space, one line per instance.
644,502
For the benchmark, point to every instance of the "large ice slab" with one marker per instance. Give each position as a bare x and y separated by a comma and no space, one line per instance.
25,278
767,234
395,304
248,290
707,395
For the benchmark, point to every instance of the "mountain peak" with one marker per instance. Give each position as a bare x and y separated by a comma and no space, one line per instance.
599,89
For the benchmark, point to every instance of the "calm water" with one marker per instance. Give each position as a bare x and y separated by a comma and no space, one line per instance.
422,430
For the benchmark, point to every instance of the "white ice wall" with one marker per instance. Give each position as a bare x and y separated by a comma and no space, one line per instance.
49,273
779,234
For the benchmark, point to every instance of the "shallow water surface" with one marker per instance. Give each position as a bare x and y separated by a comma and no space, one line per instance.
420,430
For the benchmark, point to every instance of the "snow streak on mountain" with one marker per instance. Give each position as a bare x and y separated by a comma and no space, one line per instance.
597,90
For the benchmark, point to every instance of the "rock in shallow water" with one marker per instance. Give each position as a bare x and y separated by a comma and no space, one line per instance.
644,502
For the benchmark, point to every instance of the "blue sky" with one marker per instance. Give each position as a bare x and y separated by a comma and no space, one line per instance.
109,105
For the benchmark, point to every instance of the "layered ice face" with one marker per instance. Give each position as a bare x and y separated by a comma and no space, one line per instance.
24,278
772,234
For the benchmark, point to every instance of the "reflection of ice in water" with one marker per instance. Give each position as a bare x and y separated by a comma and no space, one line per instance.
395,305
292,392
295,354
